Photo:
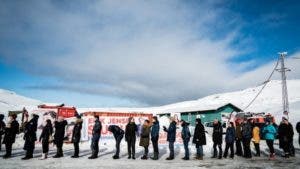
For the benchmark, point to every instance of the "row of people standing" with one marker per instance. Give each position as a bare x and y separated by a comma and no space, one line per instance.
246,132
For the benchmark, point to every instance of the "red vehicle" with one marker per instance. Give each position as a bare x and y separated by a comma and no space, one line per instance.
62,110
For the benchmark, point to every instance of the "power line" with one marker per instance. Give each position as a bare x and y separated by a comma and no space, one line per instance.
265,84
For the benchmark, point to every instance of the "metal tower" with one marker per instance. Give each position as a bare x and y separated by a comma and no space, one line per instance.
283,70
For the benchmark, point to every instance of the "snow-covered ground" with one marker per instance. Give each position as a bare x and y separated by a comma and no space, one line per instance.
107,151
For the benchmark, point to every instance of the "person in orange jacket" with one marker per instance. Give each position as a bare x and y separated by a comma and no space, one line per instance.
256,139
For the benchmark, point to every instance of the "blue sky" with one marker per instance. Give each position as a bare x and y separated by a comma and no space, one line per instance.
141,53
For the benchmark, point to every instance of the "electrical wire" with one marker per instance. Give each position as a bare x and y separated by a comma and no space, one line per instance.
265,84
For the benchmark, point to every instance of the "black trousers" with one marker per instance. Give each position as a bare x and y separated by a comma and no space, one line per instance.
155,145
146,150
257,148
95,148
76,148
8,147
0,142
216,151
270,144
246,145
118,141
229,145
292,148
59,148
29,148
131,147
45,146
239,149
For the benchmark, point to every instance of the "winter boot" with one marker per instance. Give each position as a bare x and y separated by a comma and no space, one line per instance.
155,157
115,157
272,156
170,158
185,158
144,157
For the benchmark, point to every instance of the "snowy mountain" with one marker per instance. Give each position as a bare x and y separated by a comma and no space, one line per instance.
11,101
268,101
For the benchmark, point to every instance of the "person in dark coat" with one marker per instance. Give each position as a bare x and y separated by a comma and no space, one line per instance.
30,136
59,135
145,138
130,137
229,140
247,136
171,137
11,130
217,138
199,138
298,130
186,136
285,135
118,135
76,135
154,137
2,129
95,138
45,137
239,138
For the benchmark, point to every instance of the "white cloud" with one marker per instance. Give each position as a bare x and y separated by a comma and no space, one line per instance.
152,52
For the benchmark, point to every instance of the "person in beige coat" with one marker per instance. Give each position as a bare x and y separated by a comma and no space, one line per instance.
145,138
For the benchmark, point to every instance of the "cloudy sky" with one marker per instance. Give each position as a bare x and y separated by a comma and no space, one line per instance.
104,53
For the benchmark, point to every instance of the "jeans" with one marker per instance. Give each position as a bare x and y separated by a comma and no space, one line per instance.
171,147
199,149
216,151
229,145
118,141
155,145
270,144
186,148
239,150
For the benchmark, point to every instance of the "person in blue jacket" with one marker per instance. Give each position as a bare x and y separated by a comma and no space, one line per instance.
186,136
171,137
154,137
269,133
229,140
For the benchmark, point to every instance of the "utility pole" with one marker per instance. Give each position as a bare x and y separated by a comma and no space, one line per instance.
283,70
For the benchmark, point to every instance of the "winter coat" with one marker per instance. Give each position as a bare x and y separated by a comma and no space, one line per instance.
116,130
2,128
76,134
155,131
218,133
269,132
285,134
11,131
171,136
145,136
46,133
130,131
30,133
238,131
256,134
59,131
185,132
199,135
298,127
96,134
247,130
230,135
